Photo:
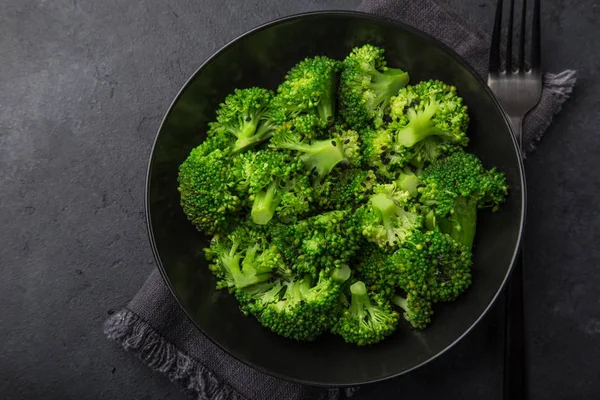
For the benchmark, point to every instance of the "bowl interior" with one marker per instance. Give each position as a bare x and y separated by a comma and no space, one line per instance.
261,58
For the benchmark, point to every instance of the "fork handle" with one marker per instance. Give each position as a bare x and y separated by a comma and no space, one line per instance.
514,335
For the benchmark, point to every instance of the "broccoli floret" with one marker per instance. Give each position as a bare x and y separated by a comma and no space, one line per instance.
309,87
323,242
387,220
417,310
366,86
455,187
247,115
408,181
428,109
318,156
381,152
275,182
370,266
351,143
345,188
368,320
201,176
431,265
298,309
243,258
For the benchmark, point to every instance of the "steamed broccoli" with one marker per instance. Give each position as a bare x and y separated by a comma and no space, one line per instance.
366,86
417,310
388,220
297,309
318,156
431,265
275,182
309,87
247,115
202,176
455,187
337,207
428,109
323,242
243,258
368,320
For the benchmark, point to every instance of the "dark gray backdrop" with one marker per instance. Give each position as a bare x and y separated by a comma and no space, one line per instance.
83,85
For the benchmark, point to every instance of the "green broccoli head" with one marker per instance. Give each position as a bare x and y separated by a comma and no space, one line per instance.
247,114
371,268
309,87
455,187
389,218
243,258
368,320
417,310
366,86
432,265
345,188
300,309
202,175
324,242
274,182
319,156
428,109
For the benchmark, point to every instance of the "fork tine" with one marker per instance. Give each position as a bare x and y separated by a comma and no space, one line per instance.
522,37
495,47
509,37
536,38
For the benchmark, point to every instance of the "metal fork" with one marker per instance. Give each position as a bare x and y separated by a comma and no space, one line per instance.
518,90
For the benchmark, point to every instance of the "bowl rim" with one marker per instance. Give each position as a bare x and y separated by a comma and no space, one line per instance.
415,31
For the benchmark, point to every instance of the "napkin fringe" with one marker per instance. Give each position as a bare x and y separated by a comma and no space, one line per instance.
136,335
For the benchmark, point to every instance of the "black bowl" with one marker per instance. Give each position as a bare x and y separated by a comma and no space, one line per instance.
261,58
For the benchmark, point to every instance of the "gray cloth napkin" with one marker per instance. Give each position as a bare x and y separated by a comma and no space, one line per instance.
154,327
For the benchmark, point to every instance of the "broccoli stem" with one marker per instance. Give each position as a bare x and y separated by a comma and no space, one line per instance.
387,84
419,126
461,224
401,302
326,106
360,299
265,203
322,156
409,181
341,274
241,278
388,209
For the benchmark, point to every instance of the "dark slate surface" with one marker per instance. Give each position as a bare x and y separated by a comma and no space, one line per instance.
83,86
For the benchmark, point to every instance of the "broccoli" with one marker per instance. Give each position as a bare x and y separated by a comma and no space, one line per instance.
275,182
370,266
201,176
338,207
428,109
366,86
431,265
322,242
388,219
455,187
345,188
417,310
368,320
318,156
298,309
243,258
309,87
247,115
407,180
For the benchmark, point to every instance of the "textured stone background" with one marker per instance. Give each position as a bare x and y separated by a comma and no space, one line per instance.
83,85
